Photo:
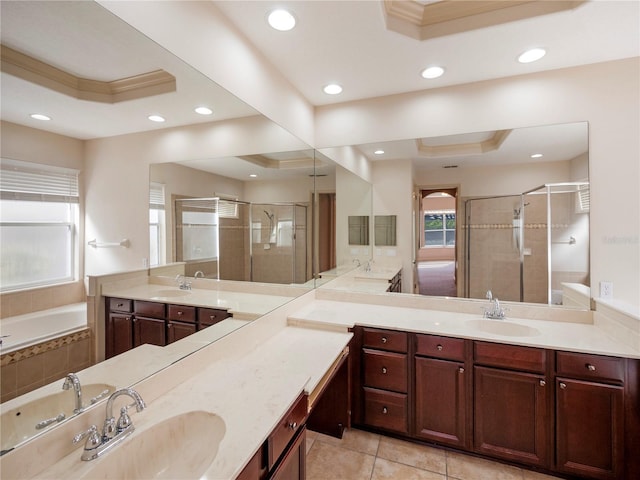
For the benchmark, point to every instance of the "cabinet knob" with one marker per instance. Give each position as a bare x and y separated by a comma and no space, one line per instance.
461,370
384,410
384,369
439,347
293,425
212,317
179,313
591,368
563,385
121,305
384,339
542,383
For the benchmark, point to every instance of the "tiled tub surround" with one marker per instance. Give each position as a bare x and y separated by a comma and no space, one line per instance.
42,347
253,375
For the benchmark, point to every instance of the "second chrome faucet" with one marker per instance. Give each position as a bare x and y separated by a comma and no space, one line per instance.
113,432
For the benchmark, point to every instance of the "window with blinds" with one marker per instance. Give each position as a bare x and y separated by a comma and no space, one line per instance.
157,243
39,216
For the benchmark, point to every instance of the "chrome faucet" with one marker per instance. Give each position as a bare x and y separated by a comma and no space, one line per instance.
198,274
495,311
72,381
113,432
182,282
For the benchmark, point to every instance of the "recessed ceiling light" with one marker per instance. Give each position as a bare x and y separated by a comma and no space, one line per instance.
204,110
332,89
378,152
253,175
532,55
281,20
156,118
536,155
432,72
39,116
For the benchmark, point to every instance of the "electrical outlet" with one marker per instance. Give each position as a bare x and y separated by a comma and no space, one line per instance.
145,263
606,289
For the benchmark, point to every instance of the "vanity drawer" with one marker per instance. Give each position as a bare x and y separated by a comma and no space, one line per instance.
385,340
512,357
182,313
440,347
149,309
385,370
211,316
120,305
584,365
286,430
386,410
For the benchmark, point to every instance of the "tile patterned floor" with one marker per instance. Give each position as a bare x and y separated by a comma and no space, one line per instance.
368,456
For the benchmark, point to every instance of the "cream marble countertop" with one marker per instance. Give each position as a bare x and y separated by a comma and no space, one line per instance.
250,393
576,337
243,305
359,280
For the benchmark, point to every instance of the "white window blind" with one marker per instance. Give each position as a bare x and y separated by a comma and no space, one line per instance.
584,198
156,195
33,182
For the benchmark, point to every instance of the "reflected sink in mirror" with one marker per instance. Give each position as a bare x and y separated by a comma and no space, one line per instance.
183,446
19,424
170,293
502,327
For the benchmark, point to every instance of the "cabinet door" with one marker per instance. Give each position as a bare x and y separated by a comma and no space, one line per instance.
293,461
441,401
149,330
511,415
119,334
590,429
178,330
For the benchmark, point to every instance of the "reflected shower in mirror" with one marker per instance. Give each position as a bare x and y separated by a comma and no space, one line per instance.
542,250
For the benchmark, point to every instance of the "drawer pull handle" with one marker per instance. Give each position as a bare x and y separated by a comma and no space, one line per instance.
384,339
461,370
384,410
542,383
439,347
384,369
121,305
591,368
563,385
179,313
212,317
293,425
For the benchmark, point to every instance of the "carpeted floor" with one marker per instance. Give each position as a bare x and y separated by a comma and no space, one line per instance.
437,278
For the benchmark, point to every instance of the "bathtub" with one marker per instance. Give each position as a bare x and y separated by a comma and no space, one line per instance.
38,327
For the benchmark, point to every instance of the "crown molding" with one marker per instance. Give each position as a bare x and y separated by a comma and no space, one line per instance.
423,20
473,148
35,71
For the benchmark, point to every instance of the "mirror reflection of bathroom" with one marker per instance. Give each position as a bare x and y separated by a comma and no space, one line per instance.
436,249
358,229
384,227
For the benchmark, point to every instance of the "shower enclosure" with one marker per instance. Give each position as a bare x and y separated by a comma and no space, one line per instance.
233,240
523,247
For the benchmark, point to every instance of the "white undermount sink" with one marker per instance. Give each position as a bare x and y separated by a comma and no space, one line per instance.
503,327
168,293
183,446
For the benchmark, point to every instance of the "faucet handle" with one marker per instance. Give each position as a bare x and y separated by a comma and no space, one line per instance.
109,429
93,440
124,421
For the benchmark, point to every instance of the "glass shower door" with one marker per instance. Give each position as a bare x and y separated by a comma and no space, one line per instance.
493,247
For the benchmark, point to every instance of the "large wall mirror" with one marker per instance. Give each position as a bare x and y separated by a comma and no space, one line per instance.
505,210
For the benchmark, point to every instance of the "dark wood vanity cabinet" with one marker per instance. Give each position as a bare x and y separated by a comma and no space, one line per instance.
283,455
385,379
566,413
590,415
130,323
511,403
442,390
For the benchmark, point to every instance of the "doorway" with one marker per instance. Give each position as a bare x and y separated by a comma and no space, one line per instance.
436,248
326,231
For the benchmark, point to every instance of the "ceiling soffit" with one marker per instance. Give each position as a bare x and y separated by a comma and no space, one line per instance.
35,71
429,19
466,148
